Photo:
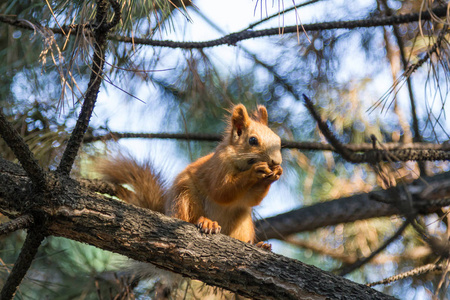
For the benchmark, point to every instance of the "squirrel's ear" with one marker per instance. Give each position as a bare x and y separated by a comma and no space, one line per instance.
260,115
240,119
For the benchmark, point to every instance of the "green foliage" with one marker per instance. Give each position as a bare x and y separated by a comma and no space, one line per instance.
43,77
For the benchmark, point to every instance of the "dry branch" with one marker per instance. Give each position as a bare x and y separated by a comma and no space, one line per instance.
172,244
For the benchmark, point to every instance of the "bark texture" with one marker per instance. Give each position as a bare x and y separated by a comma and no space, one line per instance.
424,196
76,213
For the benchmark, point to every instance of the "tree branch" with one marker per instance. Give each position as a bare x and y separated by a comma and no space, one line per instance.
417,135
313,146
233,38
22,152
414,272
427,193
23,263
174,245
376,155
22,222
100,33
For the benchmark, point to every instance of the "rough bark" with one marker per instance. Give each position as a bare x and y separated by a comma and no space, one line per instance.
427,195
73,212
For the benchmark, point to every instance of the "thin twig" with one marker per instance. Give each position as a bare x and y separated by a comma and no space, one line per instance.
414,272
23,263
417,135
22,152
362,262
251,26
21,222
375,155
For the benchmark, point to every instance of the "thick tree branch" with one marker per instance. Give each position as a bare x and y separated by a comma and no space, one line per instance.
22,152
174,245
23,263
428,194
100,32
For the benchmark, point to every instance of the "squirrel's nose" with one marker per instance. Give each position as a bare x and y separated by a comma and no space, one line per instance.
276,159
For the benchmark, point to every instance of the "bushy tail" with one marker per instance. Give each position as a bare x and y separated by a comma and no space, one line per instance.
143,185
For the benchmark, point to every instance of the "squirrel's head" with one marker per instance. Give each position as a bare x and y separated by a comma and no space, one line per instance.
252,140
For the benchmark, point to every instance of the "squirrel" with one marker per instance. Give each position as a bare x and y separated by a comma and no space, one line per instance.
216,192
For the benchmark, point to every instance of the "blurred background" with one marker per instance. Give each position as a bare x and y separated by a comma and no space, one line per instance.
355,77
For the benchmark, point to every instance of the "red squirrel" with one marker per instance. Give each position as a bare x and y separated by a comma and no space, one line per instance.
216,192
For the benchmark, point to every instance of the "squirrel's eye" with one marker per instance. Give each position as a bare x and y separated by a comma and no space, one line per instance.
253,141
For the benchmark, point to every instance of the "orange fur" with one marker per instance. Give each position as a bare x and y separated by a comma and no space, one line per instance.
217,192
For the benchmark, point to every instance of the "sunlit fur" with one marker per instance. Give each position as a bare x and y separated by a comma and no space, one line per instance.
222,186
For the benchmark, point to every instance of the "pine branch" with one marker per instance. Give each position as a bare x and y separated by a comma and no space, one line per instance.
414,272
360,207
417,135
313,146
375,155
23,263
233,38
177,246
100,32
22,222
22,152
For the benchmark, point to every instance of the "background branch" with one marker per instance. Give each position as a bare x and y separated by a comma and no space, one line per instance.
313,146
357,207
365,260
376,155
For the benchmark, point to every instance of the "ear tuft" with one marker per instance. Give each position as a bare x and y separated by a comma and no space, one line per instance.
260,115
240,119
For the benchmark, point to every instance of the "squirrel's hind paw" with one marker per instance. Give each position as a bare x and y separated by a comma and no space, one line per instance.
207,226
264,246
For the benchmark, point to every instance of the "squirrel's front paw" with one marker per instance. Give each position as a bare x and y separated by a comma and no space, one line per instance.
276,173
207,226
261,170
